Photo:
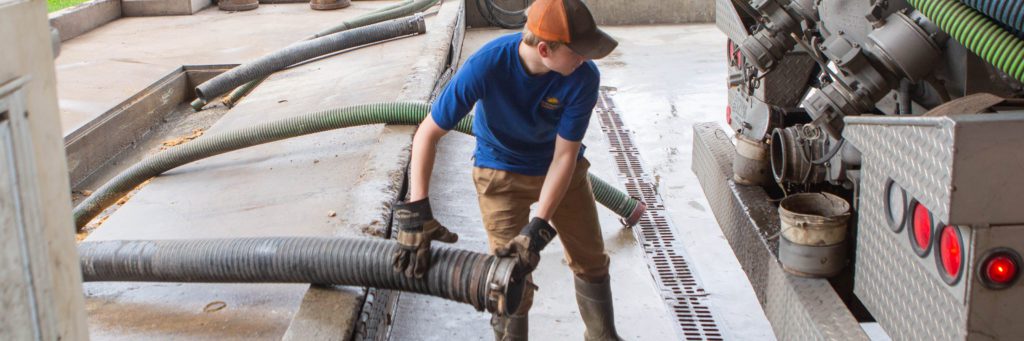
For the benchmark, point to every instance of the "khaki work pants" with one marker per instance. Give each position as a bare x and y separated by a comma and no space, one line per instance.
505,200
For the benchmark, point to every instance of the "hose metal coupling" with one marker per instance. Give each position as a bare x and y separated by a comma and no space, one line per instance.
504,293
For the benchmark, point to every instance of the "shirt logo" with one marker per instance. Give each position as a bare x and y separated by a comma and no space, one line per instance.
550,103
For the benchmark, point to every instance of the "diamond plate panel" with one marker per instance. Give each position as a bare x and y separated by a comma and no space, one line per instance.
926,163
727,19
786,84
798,308
904,294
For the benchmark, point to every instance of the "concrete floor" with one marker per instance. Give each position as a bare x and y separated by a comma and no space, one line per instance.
668,77
285,188
640,312
143,49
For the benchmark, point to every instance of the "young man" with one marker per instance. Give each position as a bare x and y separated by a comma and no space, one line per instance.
534,92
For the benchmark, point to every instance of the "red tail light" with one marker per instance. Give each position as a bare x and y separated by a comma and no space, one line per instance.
921,234
950,254
728,114
999,269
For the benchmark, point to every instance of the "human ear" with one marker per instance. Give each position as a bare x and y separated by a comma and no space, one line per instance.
544,49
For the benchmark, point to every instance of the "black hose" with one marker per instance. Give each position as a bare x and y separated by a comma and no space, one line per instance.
483,281
306,50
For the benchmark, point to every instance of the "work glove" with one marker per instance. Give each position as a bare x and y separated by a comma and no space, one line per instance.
416,229
526,247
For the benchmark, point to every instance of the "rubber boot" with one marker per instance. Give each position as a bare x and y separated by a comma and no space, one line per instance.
595,301
511,328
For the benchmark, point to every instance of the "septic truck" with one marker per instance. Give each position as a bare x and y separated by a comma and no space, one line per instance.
871,169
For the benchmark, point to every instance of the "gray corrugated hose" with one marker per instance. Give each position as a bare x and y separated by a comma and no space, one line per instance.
394,11
407,113
306,50
483,281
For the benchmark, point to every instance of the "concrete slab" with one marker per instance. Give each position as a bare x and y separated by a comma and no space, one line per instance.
285,188
668,78
105,66
640,313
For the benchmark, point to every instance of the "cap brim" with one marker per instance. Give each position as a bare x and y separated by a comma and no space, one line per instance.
596,45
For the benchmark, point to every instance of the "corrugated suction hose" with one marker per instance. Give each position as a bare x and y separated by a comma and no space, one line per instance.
483,281
394,11
1006,12
402,113
979,34
306,50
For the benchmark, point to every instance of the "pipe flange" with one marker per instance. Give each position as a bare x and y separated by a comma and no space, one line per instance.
504,295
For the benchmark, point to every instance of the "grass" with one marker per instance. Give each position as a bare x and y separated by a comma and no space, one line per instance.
56,5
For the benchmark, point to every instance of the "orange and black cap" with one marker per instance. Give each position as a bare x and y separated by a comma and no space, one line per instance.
569,22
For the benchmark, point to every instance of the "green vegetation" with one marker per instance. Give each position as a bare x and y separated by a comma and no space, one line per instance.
56,5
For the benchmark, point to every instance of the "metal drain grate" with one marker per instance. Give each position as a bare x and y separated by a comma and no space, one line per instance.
680,289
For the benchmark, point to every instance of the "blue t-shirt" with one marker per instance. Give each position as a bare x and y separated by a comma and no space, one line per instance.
517,115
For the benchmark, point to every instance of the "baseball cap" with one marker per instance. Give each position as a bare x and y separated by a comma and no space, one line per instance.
569,22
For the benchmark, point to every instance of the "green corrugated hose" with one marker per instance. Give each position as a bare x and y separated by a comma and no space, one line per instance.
978,33
393,11
402,113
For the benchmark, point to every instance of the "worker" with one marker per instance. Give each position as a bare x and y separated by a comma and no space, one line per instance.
534,93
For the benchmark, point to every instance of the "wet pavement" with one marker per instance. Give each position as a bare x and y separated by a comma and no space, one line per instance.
668,77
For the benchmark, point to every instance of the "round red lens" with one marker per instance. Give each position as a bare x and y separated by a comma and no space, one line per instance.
922,227
950,251
1001,269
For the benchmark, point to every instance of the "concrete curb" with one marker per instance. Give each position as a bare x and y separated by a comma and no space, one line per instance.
77,20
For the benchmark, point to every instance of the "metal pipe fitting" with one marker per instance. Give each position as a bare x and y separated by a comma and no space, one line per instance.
791,155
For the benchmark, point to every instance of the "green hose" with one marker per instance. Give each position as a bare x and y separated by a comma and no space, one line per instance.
402,113
393,11
978,33
237,94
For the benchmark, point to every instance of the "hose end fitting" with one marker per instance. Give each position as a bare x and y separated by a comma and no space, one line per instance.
504,294
198,104
421,23
634,217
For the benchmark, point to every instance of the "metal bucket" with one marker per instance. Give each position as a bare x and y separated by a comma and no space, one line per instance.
237,5
813,242
326,5
750,162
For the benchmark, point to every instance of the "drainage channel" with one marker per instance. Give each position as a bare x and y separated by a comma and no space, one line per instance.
663,251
